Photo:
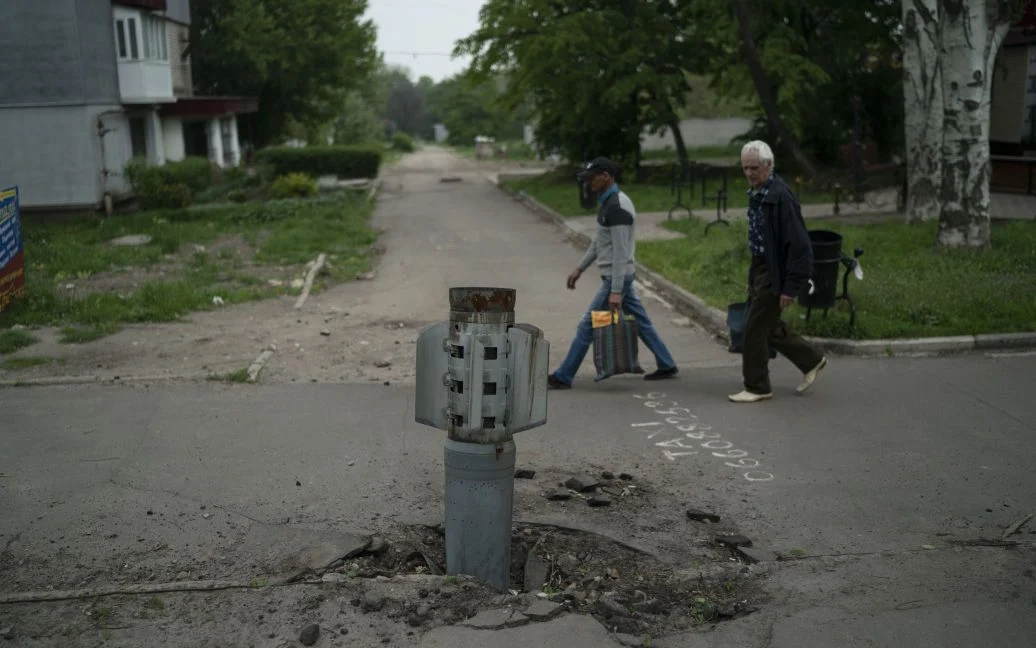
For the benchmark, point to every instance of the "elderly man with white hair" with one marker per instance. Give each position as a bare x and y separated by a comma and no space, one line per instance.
782,261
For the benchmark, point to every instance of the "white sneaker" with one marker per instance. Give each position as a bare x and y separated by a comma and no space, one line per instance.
746,396
811,377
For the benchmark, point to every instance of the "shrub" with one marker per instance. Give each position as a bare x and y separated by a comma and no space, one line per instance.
194,171
402,142
174,195
171,185
237,195
293,185
341,161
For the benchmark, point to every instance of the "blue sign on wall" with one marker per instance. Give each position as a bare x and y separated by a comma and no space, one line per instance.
12,249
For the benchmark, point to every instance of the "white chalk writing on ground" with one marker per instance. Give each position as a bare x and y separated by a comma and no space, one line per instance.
695,435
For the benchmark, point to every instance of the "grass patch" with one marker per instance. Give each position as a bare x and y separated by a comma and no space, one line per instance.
558,191
11,341
284,233
239,376
909,289
14,364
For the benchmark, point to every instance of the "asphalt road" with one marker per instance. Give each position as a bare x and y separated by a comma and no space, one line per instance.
876,483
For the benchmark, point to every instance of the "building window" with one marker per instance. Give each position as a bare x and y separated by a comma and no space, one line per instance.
149,42
131,26
120,34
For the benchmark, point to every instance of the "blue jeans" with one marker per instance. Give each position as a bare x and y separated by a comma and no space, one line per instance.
584,333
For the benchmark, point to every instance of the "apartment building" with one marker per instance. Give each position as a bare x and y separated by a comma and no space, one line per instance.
85,85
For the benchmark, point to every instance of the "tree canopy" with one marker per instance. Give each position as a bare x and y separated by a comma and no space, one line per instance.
301,58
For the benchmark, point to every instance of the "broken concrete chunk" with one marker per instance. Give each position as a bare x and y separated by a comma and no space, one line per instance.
372,602
702,516
536,573
309,634
543,610
599,500
581,483
734,540
524,473
559,495
491,619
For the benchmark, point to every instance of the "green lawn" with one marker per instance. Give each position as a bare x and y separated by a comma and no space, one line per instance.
278,234
909,289
558,191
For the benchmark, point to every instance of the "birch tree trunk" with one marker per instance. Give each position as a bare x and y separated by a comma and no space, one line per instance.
972,31
923,112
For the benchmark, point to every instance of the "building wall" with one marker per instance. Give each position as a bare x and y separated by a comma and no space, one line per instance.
177,35
178,10
57,52
699,132
63,168
1008,115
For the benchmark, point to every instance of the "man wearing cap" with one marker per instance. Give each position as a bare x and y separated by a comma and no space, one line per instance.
613,248
782,261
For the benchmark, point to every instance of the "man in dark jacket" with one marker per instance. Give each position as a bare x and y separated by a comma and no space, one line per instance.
782,261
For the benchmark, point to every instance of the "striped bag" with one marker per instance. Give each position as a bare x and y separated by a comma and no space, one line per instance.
615,344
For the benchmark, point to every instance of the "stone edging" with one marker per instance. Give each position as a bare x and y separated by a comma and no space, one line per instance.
715,321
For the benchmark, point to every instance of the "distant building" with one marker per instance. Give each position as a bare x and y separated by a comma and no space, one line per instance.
1012,113
85,85
440,133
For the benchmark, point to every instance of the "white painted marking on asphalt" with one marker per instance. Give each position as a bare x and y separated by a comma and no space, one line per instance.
684,420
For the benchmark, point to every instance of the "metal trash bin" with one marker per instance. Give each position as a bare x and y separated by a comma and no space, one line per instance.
827,256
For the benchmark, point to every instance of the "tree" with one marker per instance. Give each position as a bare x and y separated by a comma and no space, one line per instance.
950,47
299,57
597,72
762,85
800,63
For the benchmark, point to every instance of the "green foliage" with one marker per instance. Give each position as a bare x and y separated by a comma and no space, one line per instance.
237,195
403,142
358,122
596,74
293,185
904,290
291,232
11,341
816,57
342,161
16,364
300,58
469,107
171,185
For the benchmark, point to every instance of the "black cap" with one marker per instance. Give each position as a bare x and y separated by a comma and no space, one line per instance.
599,165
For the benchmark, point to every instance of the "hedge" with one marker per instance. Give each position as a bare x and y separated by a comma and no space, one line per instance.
341,161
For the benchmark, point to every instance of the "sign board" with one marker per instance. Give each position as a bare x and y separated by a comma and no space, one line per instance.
12,249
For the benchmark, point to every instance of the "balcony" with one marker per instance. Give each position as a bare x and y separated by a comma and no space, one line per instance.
146,82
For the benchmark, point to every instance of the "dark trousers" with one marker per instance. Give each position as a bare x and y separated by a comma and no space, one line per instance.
766,329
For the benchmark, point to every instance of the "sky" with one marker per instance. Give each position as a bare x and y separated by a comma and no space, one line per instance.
420,34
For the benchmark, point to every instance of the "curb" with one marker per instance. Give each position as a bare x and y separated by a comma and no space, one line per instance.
715,321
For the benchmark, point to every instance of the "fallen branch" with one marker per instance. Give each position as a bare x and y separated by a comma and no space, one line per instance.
1014,528
309,280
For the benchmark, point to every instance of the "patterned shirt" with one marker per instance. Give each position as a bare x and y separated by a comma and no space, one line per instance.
756,238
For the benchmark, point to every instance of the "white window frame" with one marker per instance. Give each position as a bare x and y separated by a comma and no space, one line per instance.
140,37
